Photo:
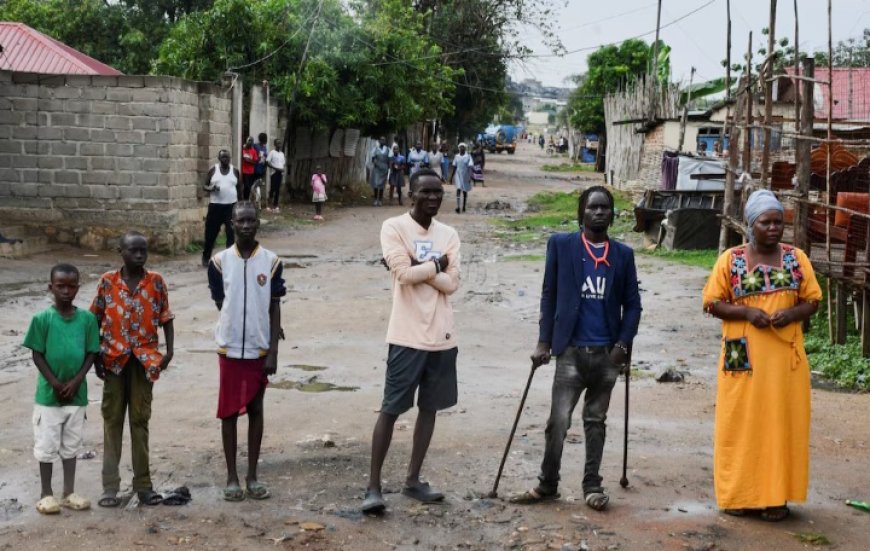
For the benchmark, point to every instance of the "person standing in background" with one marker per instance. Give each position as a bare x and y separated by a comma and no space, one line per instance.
276,162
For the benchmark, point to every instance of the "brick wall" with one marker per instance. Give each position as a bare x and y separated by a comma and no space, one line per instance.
84,158
650,175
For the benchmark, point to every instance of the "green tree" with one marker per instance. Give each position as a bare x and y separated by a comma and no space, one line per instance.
479,38
372,71
609,68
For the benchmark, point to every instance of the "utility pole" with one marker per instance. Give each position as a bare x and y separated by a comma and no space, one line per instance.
768,95
655,66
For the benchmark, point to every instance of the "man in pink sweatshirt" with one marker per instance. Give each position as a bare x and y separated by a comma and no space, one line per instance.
422,255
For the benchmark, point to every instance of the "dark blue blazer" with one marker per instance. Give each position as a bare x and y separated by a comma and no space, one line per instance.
563,280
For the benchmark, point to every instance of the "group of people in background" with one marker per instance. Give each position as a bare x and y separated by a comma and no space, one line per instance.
389,167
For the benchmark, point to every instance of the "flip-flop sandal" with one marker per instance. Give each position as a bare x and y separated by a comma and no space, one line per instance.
775,514
373,503
109,500
735,512
535,495
48,505
76,502
423,492
178,496
256,490
149,498
234,493
597,500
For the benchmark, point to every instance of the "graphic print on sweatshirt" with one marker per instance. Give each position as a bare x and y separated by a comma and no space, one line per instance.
423,251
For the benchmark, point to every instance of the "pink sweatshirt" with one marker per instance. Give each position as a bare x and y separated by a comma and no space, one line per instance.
421,317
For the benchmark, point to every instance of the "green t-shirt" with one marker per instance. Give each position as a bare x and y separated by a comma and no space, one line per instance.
64,342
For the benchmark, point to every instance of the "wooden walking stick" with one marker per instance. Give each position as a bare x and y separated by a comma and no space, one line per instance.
624,480
494,492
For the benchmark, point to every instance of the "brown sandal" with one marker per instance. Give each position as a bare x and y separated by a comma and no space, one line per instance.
535,495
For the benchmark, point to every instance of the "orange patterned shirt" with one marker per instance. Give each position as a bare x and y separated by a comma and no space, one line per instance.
129,320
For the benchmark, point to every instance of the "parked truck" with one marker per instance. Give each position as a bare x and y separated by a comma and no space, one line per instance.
500,137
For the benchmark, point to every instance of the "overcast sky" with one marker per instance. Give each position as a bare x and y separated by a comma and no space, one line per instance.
697,40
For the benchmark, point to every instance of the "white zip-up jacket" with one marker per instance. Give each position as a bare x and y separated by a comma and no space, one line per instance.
244,289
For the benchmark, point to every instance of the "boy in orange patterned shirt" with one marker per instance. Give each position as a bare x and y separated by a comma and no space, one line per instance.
130,305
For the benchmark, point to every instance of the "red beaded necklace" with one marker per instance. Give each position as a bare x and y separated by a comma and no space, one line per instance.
598,259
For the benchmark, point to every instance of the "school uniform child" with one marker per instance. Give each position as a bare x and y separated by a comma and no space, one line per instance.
64,340
398,164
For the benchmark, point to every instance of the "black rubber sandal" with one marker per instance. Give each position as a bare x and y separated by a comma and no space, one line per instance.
423,492
109,500
149,497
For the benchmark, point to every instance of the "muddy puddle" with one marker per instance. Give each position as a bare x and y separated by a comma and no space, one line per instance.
312,385
305,367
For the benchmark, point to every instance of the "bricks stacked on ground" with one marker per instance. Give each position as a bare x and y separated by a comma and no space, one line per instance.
86,157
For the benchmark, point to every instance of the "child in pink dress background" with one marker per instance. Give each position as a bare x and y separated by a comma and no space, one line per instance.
318,192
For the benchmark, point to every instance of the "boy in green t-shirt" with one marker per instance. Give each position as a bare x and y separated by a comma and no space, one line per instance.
64,340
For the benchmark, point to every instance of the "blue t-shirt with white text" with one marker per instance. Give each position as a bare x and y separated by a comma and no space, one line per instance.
590,329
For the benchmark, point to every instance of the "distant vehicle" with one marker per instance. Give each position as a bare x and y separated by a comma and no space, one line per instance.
500,137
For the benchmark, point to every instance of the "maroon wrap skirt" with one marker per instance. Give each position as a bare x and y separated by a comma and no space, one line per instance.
240,382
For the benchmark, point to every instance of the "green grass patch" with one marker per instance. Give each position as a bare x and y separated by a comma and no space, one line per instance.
812,538
555,211
524,258
569,167
842,364
196,246
704,258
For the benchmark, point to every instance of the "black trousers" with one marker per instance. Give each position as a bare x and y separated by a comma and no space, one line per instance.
218,215
275,188
247,183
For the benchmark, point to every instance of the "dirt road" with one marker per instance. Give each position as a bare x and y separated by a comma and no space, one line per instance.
335,317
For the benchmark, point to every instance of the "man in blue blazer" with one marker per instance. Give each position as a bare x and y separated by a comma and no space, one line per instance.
590,312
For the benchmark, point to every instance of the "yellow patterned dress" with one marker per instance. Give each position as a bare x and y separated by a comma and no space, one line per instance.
761,442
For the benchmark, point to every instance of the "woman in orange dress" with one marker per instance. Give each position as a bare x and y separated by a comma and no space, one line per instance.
762,292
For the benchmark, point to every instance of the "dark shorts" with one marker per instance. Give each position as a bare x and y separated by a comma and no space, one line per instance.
409,368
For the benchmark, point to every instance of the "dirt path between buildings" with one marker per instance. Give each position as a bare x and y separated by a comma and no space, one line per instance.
335,318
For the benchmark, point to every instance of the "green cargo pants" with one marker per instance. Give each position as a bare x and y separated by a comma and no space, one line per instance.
131,391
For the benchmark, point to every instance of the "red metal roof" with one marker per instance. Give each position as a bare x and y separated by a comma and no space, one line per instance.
860,93
28,50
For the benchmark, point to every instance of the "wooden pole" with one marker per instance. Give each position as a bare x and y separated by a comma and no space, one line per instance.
831,332
747,137
727,61
733,156
802,157
655,66
685,116
768,96
797,71
728,199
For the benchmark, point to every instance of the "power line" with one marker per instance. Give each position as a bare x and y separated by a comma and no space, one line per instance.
588,48
277,49
590,23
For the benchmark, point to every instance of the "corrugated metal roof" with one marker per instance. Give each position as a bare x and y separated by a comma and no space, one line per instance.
28,50
860,93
